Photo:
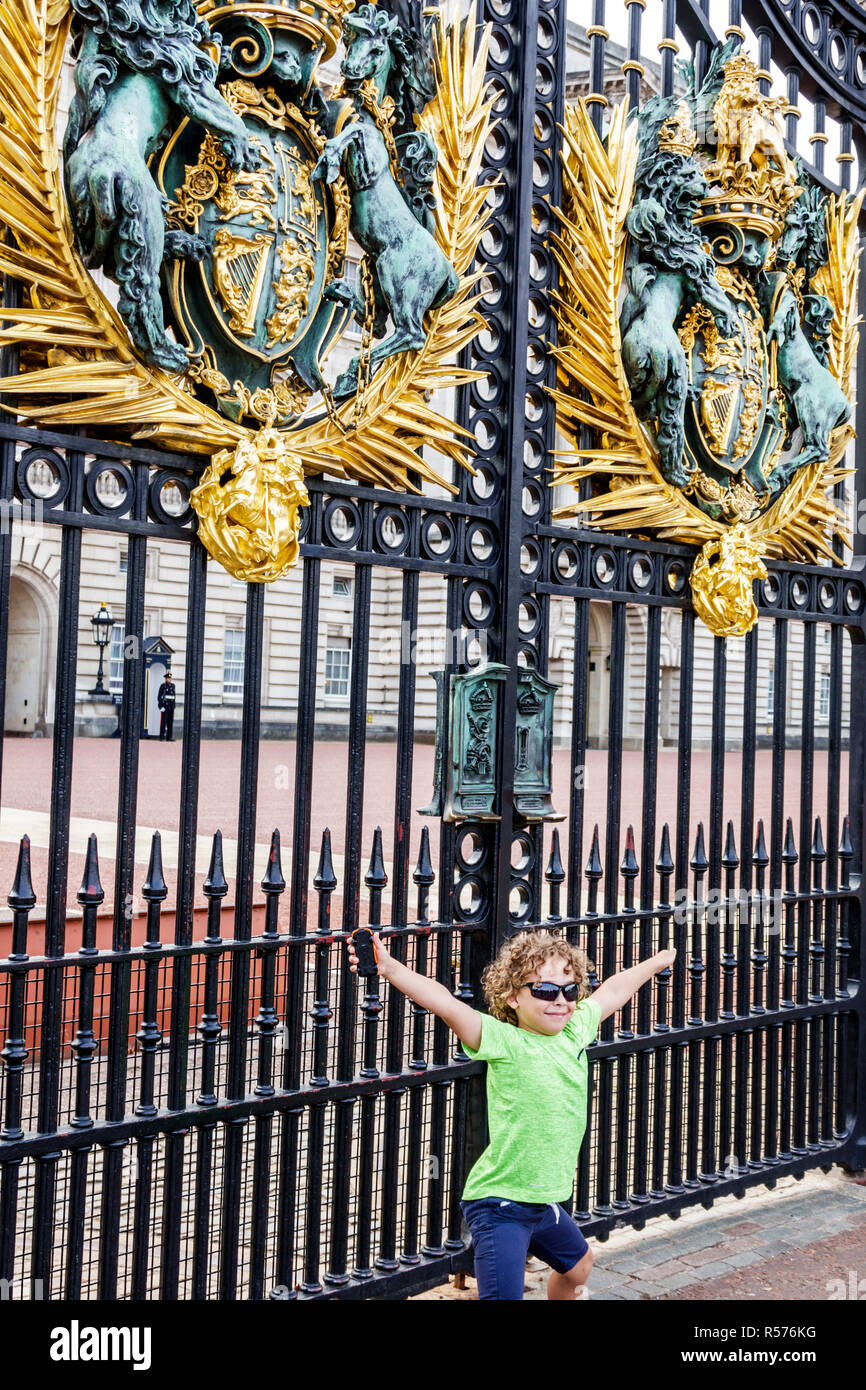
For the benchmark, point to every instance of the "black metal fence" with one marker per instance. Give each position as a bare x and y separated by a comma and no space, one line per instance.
226,1115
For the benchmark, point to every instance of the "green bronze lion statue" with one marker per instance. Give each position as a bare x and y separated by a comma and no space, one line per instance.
138,62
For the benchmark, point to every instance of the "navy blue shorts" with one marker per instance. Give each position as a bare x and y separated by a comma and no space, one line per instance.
505,1232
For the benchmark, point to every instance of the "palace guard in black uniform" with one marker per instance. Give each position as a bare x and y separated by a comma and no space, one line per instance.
165,699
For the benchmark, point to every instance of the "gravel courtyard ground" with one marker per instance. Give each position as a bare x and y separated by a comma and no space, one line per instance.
26,790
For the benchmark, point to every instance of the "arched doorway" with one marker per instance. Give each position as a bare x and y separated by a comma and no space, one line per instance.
598,676
29,704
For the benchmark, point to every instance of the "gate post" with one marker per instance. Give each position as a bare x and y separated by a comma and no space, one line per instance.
855,1061
500,428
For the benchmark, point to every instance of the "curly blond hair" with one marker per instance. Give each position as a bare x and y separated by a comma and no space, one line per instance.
519,956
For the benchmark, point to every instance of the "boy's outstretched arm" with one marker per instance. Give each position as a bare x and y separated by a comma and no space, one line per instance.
613,993
430,994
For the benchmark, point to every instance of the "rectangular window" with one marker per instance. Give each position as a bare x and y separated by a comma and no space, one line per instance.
771,684
338,660
824,696
342,586
233,662
115,659
123,561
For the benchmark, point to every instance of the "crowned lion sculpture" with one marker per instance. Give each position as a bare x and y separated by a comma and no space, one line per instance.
669,268
138,61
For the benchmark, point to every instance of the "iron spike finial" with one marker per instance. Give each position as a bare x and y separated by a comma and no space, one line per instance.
629,866
91,890
760,857
730,858
273,881
846,849
325,880
155,888
22,894
818,852
424,875
375,876
593,865
665,864
555,873
699,861
215,885
789,853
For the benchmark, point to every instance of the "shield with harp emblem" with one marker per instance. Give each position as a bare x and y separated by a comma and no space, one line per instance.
734,418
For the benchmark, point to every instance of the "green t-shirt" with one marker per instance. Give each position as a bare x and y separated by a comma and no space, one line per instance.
536,1108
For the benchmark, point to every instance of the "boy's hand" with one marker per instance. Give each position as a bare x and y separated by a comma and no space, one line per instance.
384,960
665,958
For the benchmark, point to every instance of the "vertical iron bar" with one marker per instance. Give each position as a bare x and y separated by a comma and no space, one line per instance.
579,689
83,1047
181,966
209,1030
154,892
321,1013
236,1079
273,886
51,1039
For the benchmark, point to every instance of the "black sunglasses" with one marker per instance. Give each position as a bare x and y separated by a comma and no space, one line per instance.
548,991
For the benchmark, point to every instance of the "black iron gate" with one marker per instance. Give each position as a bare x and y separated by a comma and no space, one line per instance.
217,1111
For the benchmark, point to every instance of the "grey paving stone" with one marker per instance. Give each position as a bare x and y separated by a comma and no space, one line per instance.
679,1281
634,1265
605,1279
826,1221
696,1240
745,1257
652,1247
798,1238
647,1289
768,1218
716,1268
772,1247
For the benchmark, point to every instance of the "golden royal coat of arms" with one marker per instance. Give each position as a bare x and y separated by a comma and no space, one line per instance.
707,334
210,173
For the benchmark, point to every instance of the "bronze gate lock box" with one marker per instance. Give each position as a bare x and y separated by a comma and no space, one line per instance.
464,785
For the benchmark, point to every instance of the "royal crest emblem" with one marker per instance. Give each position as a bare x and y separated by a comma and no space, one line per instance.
212,174
734,344
252,313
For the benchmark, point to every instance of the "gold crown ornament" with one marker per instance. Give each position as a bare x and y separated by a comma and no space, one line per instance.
752,179
678,135
321,21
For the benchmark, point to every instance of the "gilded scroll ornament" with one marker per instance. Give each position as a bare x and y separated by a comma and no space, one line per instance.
223,215
720,392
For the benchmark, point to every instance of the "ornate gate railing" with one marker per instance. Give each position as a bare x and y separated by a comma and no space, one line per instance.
219,1111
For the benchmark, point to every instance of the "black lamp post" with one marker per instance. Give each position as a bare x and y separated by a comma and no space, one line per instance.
102,622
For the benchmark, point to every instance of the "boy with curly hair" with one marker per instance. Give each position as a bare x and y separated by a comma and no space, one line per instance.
534,1038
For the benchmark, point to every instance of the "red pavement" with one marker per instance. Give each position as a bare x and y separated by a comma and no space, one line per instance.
832,1268
26,784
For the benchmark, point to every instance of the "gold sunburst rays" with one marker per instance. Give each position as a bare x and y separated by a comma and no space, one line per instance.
592,390
592,394
837,279
89,373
